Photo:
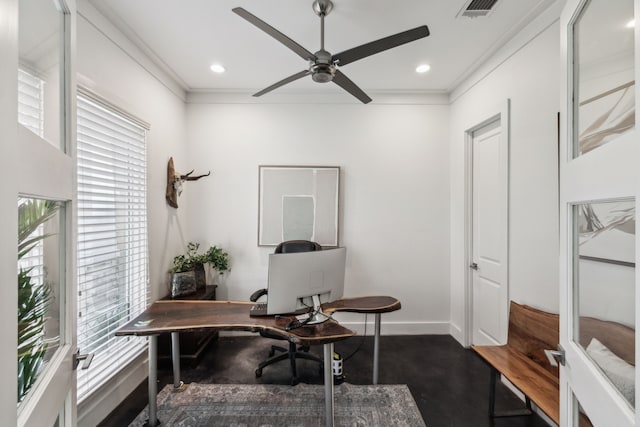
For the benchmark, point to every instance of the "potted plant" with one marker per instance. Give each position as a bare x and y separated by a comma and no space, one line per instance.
188,272
217,259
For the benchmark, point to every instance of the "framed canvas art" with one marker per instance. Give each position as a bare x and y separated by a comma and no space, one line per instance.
298,203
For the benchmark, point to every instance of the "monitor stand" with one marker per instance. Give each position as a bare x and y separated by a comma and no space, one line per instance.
316,315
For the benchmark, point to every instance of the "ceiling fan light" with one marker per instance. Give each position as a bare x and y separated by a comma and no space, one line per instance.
217,68
322,77
322,73
423,68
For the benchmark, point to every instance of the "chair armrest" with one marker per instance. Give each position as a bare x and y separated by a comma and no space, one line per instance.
257,294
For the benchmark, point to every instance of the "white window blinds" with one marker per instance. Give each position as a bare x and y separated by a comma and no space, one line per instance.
112,237
30,102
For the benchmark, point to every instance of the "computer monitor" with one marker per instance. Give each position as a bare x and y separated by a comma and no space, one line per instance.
303,280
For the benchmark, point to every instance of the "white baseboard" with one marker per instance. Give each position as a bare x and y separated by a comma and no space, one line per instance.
456,332
386,328
399,328
97,406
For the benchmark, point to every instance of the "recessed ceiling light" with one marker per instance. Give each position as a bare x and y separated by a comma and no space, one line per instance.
423,68
217,68
631,23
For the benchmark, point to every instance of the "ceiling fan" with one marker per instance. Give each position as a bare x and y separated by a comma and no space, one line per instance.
323,66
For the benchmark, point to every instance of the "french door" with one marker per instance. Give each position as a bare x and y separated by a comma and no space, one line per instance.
37,130
599,185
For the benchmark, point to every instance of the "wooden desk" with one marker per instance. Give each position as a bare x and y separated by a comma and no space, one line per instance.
179,316
192,344
376,305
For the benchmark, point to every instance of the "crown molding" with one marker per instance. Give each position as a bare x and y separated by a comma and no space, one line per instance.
127,40
317,97
542,21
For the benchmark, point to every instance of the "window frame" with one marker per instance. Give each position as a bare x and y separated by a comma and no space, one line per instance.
111,354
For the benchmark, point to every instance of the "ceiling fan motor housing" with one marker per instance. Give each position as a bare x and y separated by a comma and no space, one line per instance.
322,70
322,73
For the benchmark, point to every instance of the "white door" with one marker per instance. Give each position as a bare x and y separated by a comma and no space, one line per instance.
489,232
38,139
599,177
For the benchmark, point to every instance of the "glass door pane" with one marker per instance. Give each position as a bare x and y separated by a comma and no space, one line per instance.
604,289
39,74
41,276
604,82
581,419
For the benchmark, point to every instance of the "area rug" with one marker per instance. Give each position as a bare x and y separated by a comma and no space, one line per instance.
268,405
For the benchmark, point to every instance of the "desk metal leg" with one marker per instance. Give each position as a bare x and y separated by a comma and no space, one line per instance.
376,348
328,384
175,359
153,381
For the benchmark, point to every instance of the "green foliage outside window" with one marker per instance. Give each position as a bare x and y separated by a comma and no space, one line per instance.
33,298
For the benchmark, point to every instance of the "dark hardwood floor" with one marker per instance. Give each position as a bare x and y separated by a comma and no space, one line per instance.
449,383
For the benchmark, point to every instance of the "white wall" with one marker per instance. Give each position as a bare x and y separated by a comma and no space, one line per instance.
394,202
112,73
119,77
527,73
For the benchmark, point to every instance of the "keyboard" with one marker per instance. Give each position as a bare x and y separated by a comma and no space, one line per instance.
259,309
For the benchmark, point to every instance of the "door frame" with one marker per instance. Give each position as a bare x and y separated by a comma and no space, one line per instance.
501,113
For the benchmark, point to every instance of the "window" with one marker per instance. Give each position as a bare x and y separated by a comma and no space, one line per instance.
40,256
33,260
112,236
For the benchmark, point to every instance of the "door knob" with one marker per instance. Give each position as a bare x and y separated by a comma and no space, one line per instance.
473,266
77,357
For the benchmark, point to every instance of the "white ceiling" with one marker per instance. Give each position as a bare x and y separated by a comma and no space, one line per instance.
186,36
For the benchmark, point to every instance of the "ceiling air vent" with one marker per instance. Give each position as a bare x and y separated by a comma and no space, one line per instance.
475,8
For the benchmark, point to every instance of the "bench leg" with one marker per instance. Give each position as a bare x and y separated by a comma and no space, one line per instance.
492,401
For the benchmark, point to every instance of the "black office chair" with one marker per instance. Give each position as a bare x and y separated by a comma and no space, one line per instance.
293,352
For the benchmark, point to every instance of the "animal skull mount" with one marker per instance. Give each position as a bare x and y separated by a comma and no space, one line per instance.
175,181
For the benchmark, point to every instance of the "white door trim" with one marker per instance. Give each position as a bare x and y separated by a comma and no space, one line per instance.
501,114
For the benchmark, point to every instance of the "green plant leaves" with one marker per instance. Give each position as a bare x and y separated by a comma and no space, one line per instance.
33,298
215,256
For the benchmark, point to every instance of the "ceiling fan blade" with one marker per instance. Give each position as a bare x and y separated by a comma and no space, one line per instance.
283,82
345,83
301,51
371,48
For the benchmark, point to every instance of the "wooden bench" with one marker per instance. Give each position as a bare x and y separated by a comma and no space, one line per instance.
523,362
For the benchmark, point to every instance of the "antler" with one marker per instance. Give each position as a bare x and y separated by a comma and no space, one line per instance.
174,183
187,177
